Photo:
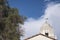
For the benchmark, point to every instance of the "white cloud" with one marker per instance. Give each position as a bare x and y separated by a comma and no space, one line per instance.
32,26
53,9
53,13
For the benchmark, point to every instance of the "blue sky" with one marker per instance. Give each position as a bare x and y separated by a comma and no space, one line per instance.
34,10
29,8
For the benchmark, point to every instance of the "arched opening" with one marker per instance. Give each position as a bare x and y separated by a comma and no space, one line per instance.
46,34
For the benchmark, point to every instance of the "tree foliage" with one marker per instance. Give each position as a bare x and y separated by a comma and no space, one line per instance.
9,23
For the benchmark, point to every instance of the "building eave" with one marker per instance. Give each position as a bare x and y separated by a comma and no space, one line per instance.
37,35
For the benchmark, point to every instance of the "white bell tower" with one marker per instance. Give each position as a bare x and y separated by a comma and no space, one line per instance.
47,30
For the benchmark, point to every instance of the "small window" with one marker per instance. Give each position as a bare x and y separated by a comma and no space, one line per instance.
46,34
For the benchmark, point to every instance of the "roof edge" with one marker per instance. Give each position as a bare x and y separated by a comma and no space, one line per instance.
39,34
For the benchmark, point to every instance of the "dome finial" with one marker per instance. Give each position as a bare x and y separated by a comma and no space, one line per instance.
46,20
